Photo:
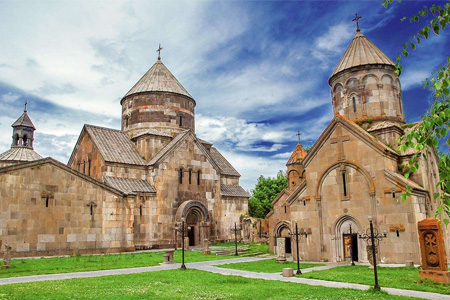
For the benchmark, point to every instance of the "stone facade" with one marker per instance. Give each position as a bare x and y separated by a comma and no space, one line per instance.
353,170
122,189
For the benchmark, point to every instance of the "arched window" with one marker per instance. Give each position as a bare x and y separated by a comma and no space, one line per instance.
190,176
181,120
140,210
25,140
180,176
46,201
16,139
198,177
84,166
126,121
91,209
354,103
89,167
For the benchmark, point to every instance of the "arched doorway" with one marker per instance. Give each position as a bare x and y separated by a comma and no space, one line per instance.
282,230
346,244
197,221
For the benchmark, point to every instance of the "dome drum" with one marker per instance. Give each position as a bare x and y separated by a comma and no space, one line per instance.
167,112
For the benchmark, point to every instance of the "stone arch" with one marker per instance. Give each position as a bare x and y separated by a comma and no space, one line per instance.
336,86
16,139
192,205
280,226
293,177
350,164
387,79
341,230
25,140
349,83
366,80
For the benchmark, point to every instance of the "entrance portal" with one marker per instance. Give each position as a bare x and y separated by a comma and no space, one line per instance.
288,246
191,235
346,238
350,246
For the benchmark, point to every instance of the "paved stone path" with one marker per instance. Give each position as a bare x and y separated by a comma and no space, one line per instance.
211,266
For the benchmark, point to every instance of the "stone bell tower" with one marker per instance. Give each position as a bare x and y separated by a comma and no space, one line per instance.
364,86
158,101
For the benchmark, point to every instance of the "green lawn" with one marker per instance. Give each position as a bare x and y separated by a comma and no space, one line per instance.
252,247
178,284
402,278
26,267
267,266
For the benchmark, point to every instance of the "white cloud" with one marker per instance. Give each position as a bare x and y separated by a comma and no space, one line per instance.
414,78
335,38
9,97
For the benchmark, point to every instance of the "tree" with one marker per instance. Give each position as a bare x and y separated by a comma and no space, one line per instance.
434,128
266,190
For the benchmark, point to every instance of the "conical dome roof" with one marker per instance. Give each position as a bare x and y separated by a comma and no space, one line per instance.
297,156
360,52
158,79
24,120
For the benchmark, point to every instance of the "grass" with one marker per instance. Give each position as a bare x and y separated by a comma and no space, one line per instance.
267,266
53,265
252,247
178,284
402,278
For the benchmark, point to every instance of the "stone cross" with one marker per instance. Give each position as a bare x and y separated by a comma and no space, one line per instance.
206,247
432,251
7,257
281,249
159,52
340,143
356,19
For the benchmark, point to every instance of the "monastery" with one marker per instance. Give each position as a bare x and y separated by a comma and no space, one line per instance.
125,189
354,171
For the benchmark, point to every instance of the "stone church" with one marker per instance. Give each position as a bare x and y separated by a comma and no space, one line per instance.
354,170
125,189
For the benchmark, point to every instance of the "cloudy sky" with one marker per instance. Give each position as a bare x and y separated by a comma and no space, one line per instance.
257,69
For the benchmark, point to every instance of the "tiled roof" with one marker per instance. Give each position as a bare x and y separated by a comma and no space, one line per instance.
168,147
129,185
225,167
151,132
20,154
233,191
24,120
383,125
405,181
360,52
298,155
158,79
115,145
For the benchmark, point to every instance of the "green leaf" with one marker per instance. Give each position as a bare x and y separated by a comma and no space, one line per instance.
446,222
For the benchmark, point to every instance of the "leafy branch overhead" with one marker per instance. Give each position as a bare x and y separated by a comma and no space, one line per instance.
432,132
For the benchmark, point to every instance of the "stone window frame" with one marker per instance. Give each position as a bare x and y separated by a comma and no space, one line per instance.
344,184
199,173
180,176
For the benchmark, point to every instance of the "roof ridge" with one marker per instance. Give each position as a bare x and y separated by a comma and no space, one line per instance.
102,127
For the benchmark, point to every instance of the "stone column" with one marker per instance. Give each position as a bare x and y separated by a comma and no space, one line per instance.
281,249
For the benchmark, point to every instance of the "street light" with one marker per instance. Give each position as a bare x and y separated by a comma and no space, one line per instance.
235,238
371,237
183,267
297,235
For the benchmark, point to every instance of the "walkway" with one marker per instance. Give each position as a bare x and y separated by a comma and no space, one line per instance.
211,266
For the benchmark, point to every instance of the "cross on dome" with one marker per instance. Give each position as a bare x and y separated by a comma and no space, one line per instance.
159,52
299,134
356,19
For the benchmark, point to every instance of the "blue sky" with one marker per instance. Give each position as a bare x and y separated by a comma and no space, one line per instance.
257,69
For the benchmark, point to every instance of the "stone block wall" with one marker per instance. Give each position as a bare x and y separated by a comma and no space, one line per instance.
48,210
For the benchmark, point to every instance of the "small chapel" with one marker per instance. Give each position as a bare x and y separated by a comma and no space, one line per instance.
122,189
353,172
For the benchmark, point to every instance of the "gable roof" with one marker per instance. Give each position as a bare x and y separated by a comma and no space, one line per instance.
114,145
54,162
151,132
233,191
360,52
158,79
24,120
356,130
20,154
129,185
225,167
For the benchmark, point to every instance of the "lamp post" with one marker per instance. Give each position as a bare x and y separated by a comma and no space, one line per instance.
235,229
351,245
372,237
183,267
297,235
176,234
